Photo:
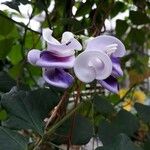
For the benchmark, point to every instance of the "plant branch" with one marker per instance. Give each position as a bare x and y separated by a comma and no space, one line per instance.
98,27
58,124
74,115
127,93
18,23
23,47
64,97
47,15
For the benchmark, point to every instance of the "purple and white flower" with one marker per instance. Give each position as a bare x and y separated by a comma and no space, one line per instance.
58,57
100,61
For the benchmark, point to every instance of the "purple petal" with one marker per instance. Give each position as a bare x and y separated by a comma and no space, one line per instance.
116,71
48,59
102,42
62,53
110,84
58,77
33,56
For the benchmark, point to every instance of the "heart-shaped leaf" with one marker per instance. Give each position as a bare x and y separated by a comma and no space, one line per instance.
27,110
11,140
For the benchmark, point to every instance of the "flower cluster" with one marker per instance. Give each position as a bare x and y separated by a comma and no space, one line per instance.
100,60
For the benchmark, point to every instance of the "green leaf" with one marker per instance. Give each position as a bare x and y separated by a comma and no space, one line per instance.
141,4
121,142
107,132
114,98
79,128
102,105
143,111
136,36
16,71
5,47
27,110
11,140
147,145
124,122
23,1
6,82
86,109
36,71
118,7
139,18
84,9
41,4
121,27
15,54
33,40
14,4
6,26
3,114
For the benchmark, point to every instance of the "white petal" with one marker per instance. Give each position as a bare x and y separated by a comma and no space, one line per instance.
47,36
66,48
91,65
72,44
66,37
64,53
33,56
86,41
100,43
40,17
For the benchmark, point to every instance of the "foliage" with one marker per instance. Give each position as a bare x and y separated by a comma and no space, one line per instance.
26,106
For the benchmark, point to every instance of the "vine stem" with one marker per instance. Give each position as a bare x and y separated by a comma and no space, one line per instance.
23,46
127,93
73,116
51,130
18,23
98,27
57,108
25,26
58,124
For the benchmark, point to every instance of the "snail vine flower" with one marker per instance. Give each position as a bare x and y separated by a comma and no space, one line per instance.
56,59
101,61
